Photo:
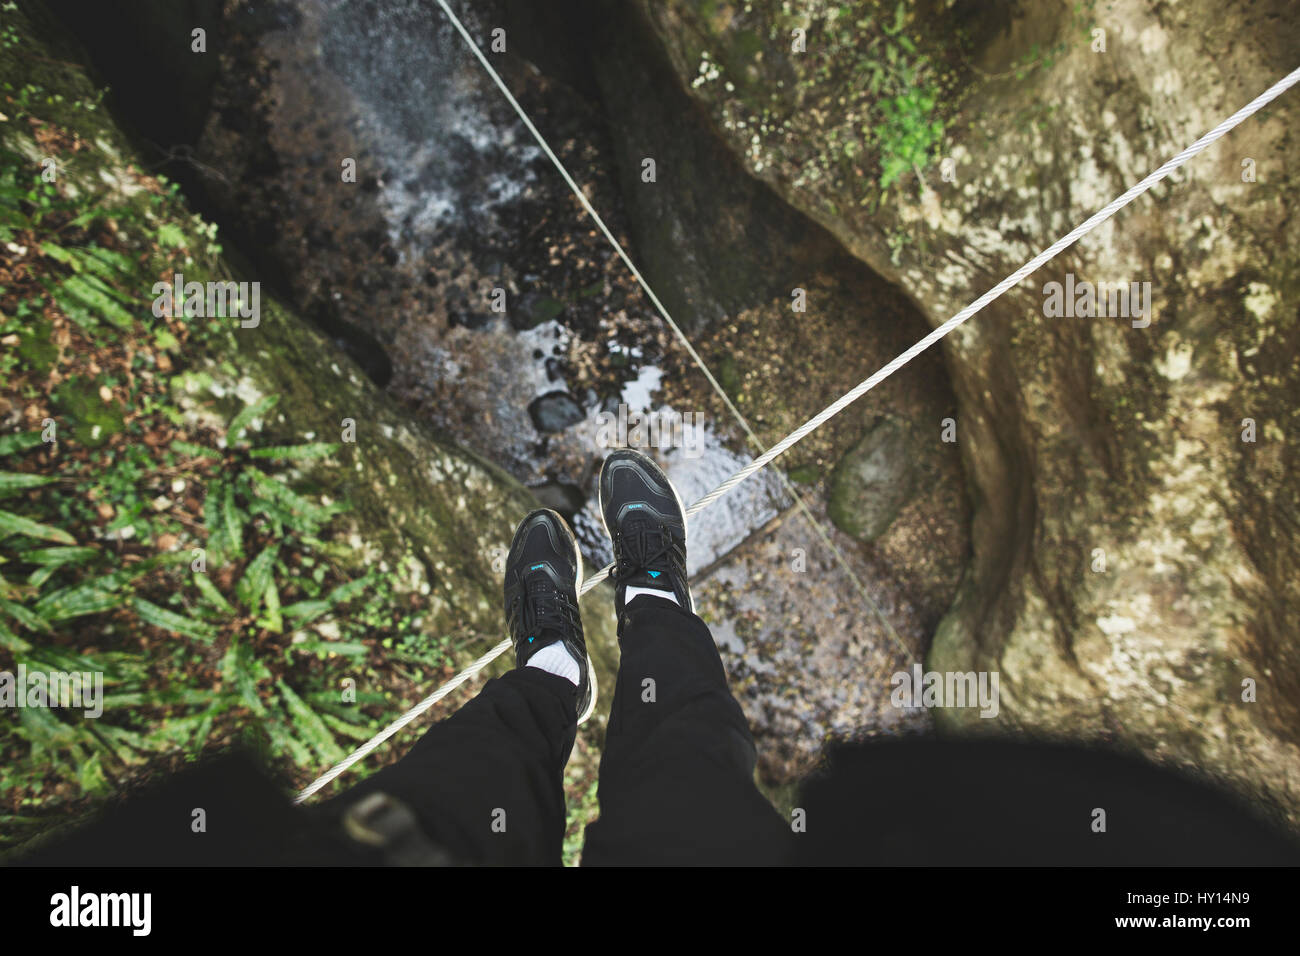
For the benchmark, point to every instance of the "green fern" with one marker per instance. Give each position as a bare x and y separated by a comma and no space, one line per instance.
35,605
252,514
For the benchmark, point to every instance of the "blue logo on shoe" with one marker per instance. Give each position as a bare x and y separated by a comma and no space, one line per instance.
536,566
655,574
531,639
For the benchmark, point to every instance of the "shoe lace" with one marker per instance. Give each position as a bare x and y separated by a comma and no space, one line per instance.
646,546
545,610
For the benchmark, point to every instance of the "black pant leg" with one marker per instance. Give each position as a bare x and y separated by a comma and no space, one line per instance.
486,783
677,773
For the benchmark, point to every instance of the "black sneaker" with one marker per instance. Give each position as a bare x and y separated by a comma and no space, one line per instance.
645,520
543,575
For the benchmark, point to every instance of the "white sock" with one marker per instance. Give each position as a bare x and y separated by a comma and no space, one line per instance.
556,659
630,593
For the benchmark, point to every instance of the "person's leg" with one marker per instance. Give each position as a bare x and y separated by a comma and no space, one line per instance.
677,773
486,784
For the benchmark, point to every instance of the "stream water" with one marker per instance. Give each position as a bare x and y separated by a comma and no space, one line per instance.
459,169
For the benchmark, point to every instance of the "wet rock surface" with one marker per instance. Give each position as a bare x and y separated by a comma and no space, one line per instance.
555,411
1131,581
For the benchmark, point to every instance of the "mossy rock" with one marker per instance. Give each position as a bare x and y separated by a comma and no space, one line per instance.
873,482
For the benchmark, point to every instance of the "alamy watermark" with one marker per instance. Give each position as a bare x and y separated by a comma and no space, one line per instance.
73,690
1084,300
76,908
628,428
918,688
210,300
